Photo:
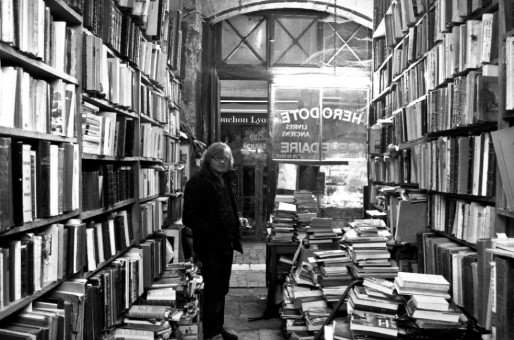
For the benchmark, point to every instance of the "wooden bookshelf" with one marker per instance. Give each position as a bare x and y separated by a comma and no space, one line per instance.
437,83
108,92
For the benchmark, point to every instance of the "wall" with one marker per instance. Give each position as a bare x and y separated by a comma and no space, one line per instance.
196,12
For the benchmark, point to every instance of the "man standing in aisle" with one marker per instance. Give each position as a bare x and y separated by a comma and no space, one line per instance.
210,211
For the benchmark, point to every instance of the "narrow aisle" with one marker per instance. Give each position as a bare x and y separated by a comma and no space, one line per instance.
247,296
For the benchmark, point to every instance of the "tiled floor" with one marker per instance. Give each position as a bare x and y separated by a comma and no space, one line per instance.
247,296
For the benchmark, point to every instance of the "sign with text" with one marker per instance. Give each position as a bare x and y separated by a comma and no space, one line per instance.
244,118
319,124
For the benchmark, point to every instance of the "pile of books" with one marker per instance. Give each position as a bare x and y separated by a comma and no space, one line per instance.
305,201
169,309
366,240
373,308
321,231
283,222
428,302
333,275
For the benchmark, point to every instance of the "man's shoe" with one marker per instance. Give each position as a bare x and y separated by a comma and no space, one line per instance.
228,336
216,337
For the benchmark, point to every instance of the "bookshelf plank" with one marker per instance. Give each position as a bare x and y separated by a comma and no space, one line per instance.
39,223
9,54
107,262
147,199
105,104
88,156
24,134
148,119
17,305
62,11
458,240
92,213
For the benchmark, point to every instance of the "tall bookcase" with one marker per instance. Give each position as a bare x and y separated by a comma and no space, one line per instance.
438,95
89,145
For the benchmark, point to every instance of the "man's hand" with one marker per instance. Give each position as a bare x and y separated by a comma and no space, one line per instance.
244,222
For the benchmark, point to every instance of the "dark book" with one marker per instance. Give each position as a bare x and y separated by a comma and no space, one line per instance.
27,267
108,252
6,204
484,277
9,334
502,319
17,182
68,177
41,333
468,288
43,179
148,254
6,276
60,180
121,127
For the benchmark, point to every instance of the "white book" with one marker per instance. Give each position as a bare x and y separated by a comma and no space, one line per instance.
54,180
25,101
7,22
487,36
99,242
8,95
70,110
26,183
477,164
473,43
38,277
90,249
15,259
112,240
59,39
75,178
509,61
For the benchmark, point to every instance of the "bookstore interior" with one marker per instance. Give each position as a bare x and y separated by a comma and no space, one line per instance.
368,140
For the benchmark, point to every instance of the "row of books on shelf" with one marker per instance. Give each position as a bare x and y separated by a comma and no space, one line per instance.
31,28
33,261
37,105
171,152
463,165
465,47
105,185
106,237
399,17
106,132
468,221
105,75
39,180
153,215
108,299
155,105
390,169
152,140
468,100
467,269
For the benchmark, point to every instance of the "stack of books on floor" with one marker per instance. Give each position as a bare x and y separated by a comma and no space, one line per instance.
429,303
366,240
283,222
373,308
334,276
169,309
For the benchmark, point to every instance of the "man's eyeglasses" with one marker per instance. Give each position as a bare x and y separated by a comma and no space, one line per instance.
219,159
